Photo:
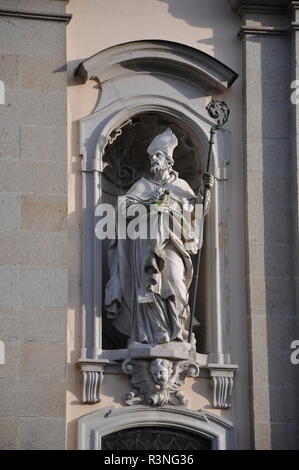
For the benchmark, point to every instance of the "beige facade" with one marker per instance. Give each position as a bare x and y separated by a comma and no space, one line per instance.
252,318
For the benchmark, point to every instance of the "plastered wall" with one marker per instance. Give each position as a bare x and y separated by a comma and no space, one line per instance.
212,28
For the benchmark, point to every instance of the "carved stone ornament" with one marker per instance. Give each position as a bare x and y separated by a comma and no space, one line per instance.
222,382
156,382
92,376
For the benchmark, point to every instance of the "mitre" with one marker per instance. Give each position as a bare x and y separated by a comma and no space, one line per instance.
166,142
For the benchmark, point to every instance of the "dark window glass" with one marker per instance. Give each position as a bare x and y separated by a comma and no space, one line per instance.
155,438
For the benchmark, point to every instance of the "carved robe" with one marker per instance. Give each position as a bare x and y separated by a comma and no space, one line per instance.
147,293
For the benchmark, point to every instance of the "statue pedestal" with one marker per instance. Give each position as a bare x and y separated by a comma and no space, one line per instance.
174,350
158,370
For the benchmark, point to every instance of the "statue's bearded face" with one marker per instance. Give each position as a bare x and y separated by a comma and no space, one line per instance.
159,162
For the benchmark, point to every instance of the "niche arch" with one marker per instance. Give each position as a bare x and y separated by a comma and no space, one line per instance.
177,81
94,426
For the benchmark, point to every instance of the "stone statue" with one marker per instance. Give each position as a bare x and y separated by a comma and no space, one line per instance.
147,293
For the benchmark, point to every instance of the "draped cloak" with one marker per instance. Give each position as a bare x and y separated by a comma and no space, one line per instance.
147,292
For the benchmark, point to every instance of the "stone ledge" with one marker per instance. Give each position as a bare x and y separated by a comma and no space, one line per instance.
263,30
34,15
266,6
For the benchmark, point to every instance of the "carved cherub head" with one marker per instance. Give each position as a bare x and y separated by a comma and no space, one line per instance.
161,370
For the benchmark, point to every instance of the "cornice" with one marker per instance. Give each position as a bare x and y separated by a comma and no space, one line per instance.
149,55
261,9
263,30
36,15
270,7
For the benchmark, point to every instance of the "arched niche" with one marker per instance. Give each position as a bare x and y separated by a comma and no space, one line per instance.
125,161
174,83
94,426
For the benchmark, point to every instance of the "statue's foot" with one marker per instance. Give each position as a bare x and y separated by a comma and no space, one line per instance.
162,337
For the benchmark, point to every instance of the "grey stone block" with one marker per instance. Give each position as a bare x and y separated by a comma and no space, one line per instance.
271,259
272,295
42,108
262,435
270,155
284,402
261,403
9,4
267,53
284,436
55,6
32,38
266,190
10,368
41,434
281,371
268,120
10,111
9,323
259,332
46,143
41,324
9,72
41,397
260,370
268,87
9,212
43,287
9,286
9,141
43,212
8,433
281,332
38,360
33,249
32,176
8,397
272,226
42,74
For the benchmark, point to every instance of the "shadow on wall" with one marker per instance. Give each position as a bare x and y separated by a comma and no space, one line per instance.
200,15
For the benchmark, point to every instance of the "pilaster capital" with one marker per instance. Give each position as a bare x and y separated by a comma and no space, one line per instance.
255,6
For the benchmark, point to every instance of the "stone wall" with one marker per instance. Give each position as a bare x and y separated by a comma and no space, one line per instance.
271,204
33,236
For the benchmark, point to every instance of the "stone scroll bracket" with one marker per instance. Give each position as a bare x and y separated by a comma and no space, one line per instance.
92,376
221,383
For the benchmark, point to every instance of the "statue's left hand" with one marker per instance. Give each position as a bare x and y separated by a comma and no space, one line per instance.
208,180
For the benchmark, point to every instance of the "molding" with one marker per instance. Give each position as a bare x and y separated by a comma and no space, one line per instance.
221,378
33,15
92,380
271,7
149,56
261,9
93,426
222,382
263,30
